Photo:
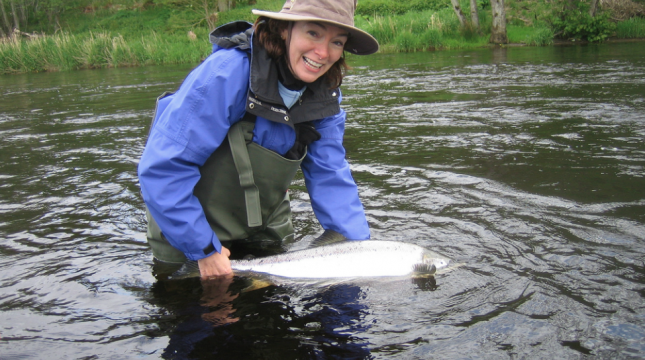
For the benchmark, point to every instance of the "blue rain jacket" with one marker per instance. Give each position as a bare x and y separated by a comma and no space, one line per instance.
190,124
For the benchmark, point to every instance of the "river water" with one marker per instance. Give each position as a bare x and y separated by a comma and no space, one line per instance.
526,165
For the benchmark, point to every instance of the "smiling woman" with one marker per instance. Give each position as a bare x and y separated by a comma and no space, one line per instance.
314,48
225,147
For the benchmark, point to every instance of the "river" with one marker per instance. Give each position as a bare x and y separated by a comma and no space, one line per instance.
526,165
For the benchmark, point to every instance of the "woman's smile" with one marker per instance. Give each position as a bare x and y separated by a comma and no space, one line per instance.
312,63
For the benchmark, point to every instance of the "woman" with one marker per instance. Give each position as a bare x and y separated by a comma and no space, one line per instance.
223,149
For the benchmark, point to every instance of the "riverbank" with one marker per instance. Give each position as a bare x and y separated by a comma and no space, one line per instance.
121,37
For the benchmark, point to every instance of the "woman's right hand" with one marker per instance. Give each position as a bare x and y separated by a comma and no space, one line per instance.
217,264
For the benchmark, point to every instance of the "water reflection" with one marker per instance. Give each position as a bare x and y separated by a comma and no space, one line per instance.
290,323
524,164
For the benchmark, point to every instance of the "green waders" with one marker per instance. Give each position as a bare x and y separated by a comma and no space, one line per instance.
243,190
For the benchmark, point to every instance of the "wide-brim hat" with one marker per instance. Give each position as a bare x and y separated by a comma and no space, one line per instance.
336,12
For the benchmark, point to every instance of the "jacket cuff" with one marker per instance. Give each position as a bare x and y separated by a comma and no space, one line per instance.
208,250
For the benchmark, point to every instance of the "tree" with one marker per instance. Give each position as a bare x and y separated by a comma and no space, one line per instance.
460,15
223,5
498,30
5,20
16,22
593,8
474,16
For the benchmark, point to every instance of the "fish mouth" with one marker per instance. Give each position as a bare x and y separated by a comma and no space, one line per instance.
437,261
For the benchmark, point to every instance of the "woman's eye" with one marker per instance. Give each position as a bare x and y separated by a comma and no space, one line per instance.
313,33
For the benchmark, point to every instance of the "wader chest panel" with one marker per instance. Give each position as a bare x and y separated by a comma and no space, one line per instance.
265,175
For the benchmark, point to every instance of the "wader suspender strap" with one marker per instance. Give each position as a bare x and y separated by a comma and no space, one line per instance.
245,171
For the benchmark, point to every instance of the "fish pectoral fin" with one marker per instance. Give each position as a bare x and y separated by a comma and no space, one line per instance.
424,270
328,237
257,284
190,269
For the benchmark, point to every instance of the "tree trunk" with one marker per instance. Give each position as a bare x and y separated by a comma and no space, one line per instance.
593,8
498,31
16,24
474,15
23,13
222,5
460,14
6,24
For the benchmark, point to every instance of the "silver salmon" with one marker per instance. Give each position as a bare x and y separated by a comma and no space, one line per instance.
347,259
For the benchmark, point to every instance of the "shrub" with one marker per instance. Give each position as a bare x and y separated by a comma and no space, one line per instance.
576,23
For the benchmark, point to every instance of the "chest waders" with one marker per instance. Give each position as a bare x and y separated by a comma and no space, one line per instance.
243,191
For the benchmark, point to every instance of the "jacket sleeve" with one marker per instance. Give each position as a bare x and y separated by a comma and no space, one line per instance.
331,187
189,126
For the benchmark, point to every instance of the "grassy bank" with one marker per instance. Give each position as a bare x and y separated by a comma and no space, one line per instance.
64,51
116,37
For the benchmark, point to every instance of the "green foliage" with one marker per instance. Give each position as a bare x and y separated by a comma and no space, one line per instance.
432,38
540,37
483,4
536,36
126,22
415,31
410,42
387,7
576,23
632,28
110,33
407,42
64,51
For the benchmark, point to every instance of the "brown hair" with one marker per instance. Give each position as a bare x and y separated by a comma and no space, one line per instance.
269,31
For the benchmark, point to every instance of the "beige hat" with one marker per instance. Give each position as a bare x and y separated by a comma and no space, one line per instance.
336,12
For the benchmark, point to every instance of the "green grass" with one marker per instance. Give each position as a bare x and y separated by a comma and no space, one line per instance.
65,51
426,30
536,36
630,29
132,32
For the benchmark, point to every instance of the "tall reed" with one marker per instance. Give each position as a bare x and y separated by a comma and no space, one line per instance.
65,51
529,35
632,28
415,31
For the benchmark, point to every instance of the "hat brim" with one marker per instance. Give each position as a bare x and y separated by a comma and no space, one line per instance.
360,42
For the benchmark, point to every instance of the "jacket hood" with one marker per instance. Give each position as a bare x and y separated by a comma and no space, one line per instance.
236,34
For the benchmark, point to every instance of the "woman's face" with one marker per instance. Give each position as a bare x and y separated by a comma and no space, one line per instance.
314,48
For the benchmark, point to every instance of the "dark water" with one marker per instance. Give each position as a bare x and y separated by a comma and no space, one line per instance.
525,164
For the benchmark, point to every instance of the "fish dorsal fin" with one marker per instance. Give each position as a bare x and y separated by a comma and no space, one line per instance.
328,237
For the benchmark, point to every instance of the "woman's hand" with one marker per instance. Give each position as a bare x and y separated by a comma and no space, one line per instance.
215,265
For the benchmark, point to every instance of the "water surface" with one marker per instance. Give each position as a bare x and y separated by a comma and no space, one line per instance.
525,164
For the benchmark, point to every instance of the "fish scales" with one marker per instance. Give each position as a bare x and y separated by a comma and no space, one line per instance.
347,259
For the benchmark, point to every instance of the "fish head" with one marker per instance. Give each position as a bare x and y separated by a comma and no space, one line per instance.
432,260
